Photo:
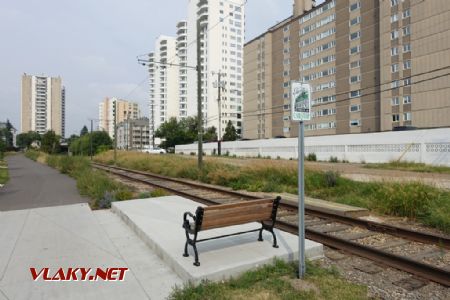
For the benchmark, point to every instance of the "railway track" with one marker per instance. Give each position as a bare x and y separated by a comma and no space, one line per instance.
348,234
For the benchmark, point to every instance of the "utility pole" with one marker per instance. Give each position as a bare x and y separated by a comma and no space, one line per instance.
219,98
115,131
90,138
199,98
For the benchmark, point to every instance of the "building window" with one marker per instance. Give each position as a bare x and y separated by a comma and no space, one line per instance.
394,18
406,48
355,79
355,108
395,84
355,35
406,14
355,49
394,51
394,68
355,64
355,123
394,2
406,99
407,116
407,65
355,21
395,117
407,82
394,34
406,31
355,6
395,101
354,94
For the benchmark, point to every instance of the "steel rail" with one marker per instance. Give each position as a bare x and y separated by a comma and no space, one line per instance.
422,270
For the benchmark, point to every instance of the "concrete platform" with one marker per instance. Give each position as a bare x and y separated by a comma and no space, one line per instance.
326,206
158,222
74,236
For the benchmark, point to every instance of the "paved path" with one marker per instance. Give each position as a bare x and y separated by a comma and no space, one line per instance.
33,185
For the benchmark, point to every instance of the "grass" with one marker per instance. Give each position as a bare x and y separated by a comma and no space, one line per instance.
32,154
277,281
414,200
410,166
4,176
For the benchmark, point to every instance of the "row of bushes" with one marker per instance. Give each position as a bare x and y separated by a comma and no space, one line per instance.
413,200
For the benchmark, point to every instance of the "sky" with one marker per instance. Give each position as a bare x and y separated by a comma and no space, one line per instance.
93,46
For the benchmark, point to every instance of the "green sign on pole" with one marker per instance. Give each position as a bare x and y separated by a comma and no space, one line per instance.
300,101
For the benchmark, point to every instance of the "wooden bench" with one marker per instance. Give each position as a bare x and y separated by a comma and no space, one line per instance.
217,216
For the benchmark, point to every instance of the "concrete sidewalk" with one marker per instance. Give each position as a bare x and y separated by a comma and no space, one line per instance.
74,236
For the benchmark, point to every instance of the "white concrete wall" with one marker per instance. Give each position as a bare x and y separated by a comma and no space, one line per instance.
430,146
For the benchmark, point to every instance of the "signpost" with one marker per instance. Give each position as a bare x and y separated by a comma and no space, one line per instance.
301,111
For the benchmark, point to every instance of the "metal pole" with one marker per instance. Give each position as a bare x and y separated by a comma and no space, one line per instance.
199,99
219,135
301,201
115,133
90,139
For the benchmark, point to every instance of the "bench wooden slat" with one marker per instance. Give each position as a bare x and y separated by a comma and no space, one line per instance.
237,211
235,220
240,204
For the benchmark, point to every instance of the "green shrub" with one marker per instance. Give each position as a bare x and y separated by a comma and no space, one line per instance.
333,159
331,178
311,157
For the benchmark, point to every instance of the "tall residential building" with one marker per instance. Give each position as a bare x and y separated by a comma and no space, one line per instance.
42,104
164,78
126,110
222,50
334,47
181,46
222,41
371,64
415,42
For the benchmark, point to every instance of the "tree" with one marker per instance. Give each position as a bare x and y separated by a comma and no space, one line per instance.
50,142
72,138
210,134
175,133
100,142
230,133
84,130
24,140
2,144
183,132
8,134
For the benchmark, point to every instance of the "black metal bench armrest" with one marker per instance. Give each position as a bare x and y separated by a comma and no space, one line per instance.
186,224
